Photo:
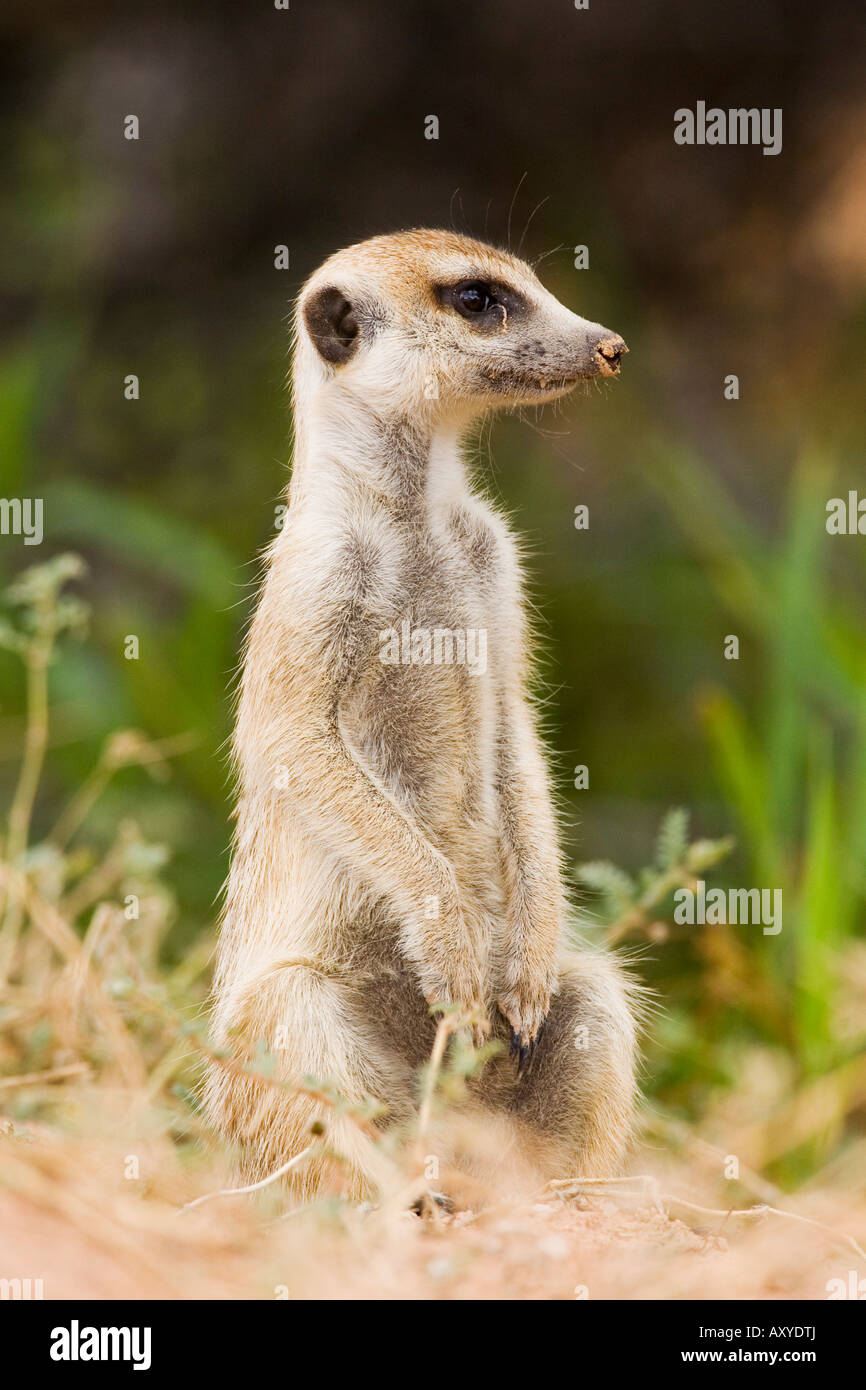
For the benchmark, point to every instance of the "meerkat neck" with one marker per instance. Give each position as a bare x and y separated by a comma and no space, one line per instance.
409,462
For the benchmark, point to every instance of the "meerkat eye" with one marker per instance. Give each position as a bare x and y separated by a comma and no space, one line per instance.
475,298
486,305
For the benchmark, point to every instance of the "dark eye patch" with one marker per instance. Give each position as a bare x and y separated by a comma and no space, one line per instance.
485,303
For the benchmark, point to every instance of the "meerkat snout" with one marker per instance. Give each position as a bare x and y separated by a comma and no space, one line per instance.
443,325
609,352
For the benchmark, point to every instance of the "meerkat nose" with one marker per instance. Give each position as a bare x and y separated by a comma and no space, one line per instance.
607,354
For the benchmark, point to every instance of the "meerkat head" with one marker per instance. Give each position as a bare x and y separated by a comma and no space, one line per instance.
438,325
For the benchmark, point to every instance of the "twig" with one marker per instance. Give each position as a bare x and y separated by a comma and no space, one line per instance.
448,1025
37,1078
762,1209
120,751
253,1186
37,661
643,1180
744,1213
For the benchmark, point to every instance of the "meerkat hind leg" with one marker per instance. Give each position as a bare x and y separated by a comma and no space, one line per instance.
573,1103
307,1020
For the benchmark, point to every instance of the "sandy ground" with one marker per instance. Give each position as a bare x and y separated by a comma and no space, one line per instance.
69,1217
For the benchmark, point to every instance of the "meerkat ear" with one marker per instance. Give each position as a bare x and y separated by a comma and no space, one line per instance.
332,324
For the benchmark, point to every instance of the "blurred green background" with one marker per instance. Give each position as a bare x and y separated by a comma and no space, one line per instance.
707,516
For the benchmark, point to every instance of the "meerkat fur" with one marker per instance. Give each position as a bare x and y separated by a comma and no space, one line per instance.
396,841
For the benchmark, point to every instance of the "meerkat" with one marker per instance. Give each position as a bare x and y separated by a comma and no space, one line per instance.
396,841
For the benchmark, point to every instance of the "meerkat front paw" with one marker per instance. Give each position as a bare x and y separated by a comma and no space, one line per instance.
526,1005
462,984
454,971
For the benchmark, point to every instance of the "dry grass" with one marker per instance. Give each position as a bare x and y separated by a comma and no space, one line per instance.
105,1155
102,1197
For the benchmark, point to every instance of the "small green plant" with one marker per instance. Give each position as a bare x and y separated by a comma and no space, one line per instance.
631,905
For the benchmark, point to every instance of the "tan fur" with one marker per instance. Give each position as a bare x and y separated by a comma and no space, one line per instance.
396,839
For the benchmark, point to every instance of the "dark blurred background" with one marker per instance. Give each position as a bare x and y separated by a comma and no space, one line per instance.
261,127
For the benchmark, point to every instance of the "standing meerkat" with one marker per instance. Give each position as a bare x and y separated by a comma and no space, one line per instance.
396,840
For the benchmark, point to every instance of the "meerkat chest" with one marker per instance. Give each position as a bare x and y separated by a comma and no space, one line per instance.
424,713
452,602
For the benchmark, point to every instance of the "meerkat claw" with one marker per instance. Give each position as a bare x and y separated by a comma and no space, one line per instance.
523,1051
431,1204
